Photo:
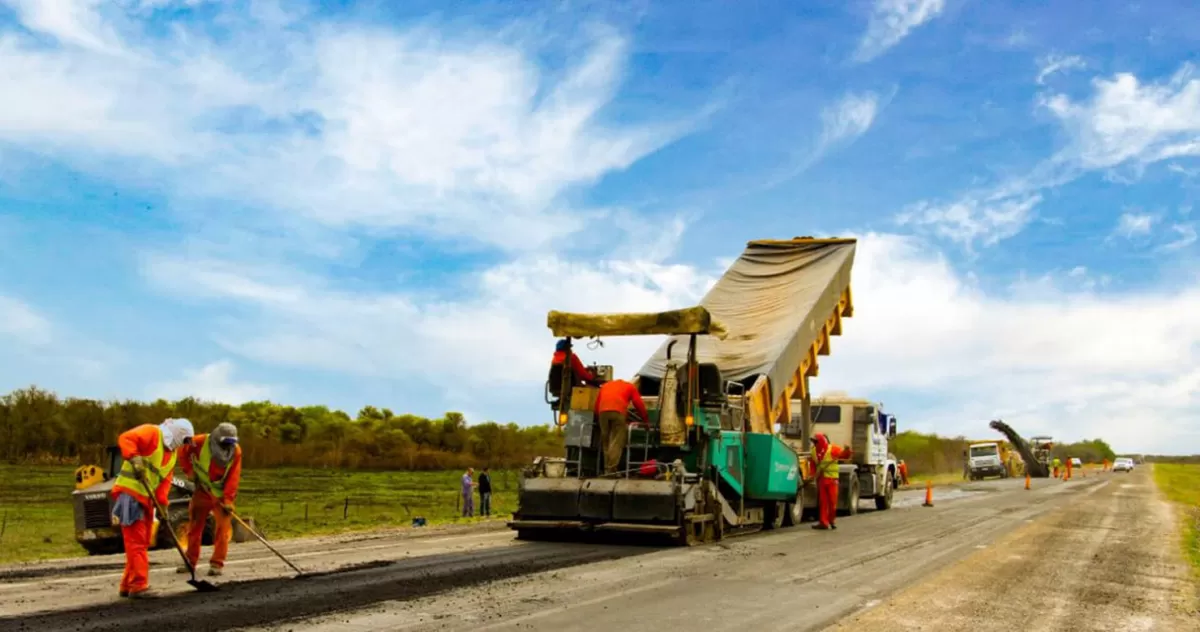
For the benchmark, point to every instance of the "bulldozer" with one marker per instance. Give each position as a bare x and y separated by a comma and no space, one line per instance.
93,504
712,460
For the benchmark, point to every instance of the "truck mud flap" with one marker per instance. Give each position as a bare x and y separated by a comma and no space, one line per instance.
543,498
644,501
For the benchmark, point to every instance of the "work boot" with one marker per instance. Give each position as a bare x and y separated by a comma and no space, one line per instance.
833,526
124,593
215,571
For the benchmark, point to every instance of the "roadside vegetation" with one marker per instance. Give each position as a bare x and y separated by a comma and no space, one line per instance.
1180,483
38,519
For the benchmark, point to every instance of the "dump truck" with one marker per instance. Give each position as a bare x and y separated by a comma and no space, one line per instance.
1036,455
873,473
708,462
988,458
92,500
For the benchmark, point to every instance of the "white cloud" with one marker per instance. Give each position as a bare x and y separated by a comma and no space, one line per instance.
970,220
921,329
892,21
1186,237
849,118
1125,123
212,382
1055,62
23,324
1131,225
459,136
1128,121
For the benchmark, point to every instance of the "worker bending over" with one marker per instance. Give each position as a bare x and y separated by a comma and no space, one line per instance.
214,461
580,374
825,459
612,409
149,454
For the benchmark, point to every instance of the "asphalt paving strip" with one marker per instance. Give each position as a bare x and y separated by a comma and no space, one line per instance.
255,602
276,600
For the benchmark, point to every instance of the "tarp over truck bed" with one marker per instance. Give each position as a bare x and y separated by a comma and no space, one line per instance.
773,302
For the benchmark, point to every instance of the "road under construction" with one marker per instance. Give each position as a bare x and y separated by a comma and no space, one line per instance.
721,454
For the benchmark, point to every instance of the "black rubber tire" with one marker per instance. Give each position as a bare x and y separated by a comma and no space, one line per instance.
793,513
853,500
104,547
773,515
884,502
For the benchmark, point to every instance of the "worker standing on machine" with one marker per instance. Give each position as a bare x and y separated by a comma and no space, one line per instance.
825,459
150,454
580,374
612,409
214,461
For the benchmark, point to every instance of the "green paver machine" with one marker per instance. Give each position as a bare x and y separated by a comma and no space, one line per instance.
719,453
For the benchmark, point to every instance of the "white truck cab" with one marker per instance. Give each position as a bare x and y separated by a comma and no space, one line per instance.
986,459
863,426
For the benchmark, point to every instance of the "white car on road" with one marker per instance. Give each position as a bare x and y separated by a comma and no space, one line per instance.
1123,465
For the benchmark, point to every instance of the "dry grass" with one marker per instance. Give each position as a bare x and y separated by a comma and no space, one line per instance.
1181,484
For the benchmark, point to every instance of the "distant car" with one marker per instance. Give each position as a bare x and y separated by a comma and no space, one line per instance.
1123,465
1075,462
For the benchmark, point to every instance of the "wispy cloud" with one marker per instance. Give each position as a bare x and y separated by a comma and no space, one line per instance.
892,21
23,324
969,221
1056,62
460,136
1125,123
1186,237
842,122
1132,225
212,382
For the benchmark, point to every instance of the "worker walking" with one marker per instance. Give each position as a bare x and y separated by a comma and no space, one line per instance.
612,409
150,454
1057,464
214,461
825,460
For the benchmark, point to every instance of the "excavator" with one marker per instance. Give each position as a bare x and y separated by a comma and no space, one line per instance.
720,453
1036,455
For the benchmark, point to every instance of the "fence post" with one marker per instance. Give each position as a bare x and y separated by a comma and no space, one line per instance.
346,509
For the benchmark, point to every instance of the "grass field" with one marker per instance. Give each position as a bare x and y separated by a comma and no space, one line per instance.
36,520
1181,484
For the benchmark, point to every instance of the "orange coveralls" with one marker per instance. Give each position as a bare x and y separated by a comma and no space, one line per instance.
140,441
203,503
827,487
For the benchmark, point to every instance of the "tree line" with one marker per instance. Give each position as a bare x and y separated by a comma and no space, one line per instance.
38,425
933,454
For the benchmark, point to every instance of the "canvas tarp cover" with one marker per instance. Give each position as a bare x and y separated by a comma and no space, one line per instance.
773,302
693,320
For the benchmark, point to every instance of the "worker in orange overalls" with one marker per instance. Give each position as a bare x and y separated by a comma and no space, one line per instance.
1068,468
825,460
215,463
612,410
903,472
149,454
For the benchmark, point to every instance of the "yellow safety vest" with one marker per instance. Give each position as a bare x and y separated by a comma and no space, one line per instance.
828,466
156,471
201,463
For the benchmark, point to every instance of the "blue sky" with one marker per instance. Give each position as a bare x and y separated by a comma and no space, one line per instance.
353,203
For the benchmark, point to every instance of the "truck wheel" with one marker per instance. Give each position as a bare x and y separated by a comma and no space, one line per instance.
794,511
853,509
885,501
773,515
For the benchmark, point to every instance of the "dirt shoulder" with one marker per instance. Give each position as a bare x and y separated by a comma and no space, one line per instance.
1107,561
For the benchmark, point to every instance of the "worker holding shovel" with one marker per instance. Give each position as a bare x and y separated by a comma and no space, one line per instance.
215,462
149,454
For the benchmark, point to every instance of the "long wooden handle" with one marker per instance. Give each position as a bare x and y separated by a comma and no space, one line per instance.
264,541
166,519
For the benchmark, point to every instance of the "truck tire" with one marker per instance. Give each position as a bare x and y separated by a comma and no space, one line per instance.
851,498
794,511
773,515
104,547
884,501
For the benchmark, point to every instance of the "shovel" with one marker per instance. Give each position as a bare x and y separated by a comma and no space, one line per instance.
300,574
198,584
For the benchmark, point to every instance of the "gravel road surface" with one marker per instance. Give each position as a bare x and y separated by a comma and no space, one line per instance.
1111,562
793,579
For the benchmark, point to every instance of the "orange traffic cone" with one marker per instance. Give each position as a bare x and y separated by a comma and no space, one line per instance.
928,494
1026,480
